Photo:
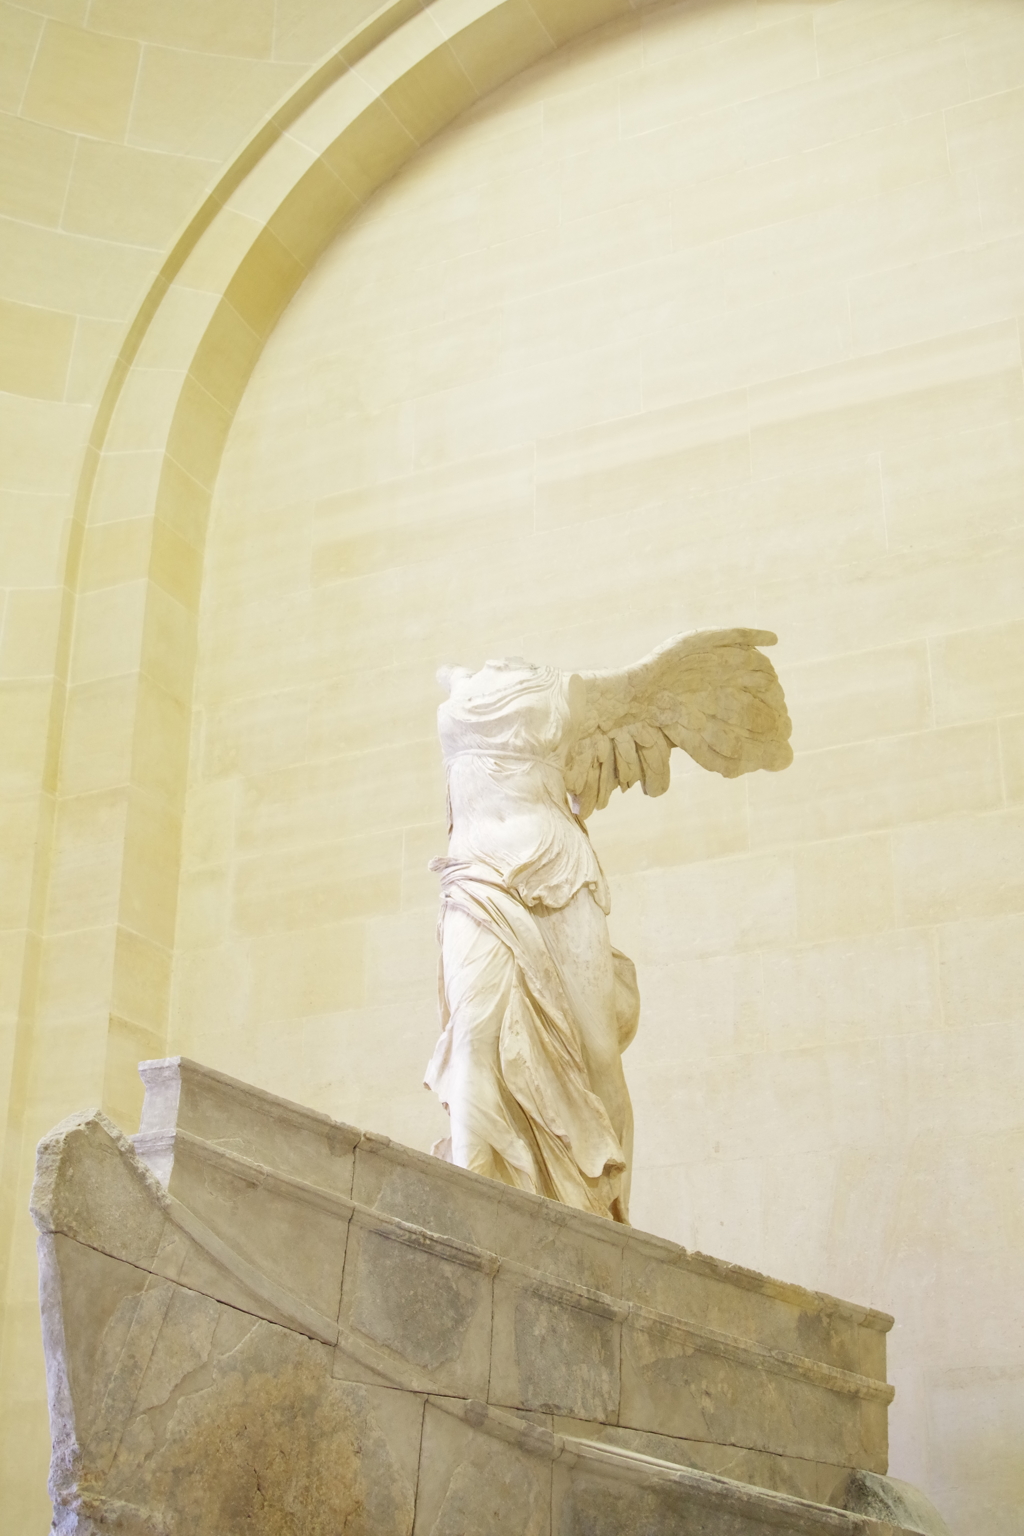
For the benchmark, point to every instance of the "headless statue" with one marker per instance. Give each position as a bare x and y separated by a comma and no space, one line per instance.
536,1006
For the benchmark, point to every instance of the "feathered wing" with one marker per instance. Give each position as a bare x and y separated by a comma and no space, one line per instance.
712,693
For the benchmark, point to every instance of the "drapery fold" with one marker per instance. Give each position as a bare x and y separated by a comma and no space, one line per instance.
529,1114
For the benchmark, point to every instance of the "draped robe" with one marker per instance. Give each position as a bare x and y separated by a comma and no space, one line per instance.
536,1006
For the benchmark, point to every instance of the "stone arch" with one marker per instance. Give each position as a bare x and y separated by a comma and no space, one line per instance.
136,552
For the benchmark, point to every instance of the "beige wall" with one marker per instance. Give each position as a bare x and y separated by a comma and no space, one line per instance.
116,119
711,319
695,326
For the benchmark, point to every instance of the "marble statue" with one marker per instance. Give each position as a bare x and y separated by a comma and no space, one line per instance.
536,1005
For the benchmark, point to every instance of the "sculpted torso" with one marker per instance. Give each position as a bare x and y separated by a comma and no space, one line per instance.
536,1006
505,732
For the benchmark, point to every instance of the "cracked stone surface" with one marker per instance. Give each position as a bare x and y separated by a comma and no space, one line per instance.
234,1347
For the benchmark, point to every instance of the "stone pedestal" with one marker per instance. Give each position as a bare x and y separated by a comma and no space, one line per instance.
260,1321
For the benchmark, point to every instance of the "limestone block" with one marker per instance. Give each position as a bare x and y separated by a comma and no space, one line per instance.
738,1301
426,1192
971,678
100,1316
89,1186
35,437
24,706
291,1231
143,977
19,39
311,1146
581,1249
794,1475
98,735
354,877
960,869
119,551
424,1230
573,1246
476,1482
202,104
202,1419
845,888
199,1381
598,1494
556,1347
96,343
316,972
241,28
926,481
35,349
929,775
109,615
978,986
198,431
425,1299
145,197
693,1384
82,81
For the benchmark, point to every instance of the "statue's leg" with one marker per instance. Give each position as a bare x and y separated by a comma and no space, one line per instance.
577,940
478,977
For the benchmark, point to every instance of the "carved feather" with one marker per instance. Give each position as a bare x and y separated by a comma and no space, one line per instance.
712,693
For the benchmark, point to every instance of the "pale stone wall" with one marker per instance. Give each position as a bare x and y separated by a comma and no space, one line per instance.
812,421
116,118
709,320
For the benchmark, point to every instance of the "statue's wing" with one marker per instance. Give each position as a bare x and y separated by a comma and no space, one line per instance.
712,693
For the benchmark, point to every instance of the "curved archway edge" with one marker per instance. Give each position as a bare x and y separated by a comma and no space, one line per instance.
122,720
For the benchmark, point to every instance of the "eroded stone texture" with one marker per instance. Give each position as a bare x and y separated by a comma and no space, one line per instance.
792,1475
237,1349
260,1438
887,1498
575,1247
429,1303
552,1355
473,1482
88,1182
676,1383
287,1230
181,1095
590,1506
204,1420
738,1301
592,1496
425,1192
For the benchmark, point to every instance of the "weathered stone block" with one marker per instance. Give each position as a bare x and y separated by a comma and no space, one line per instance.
739,1301
182,1095
794,1475
566,1244
425,1191
242,1348
174,1413
292,1231
89,1185
424,1299
889,1499
476,1482
696,1385
556,1348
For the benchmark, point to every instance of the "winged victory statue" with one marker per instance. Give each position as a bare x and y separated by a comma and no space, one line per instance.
536,1005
